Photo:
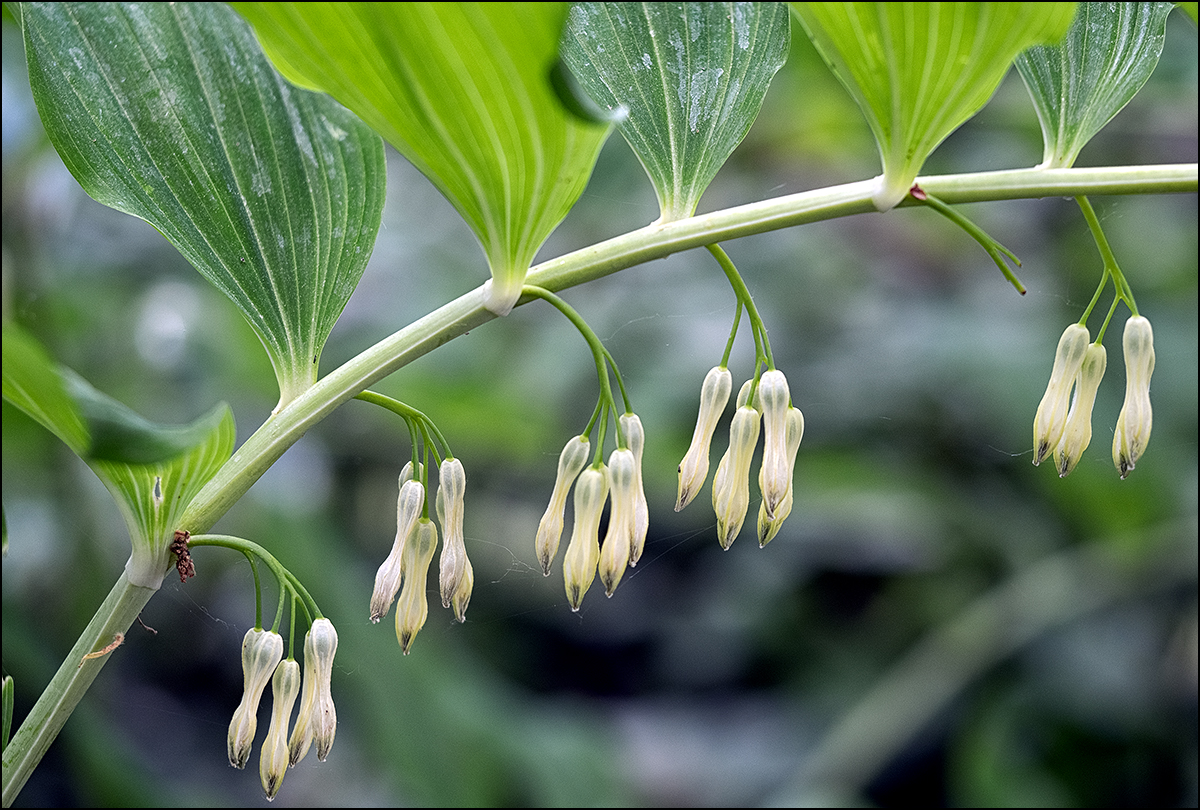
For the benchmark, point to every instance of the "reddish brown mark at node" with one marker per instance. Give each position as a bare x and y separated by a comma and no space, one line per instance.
918,193
183,557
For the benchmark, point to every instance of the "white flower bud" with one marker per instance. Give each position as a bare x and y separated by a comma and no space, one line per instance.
387,579
614,554
1051,418
731,485
693,470
635,434
262,651
1133,425
571,461
317,718
452,487
273,758
1078,432
583,549
412,608
775,476
768,527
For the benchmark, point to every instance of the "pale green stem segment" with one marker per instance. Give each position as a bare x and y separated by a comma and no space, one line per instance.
655,241
113,618
762,346
994,249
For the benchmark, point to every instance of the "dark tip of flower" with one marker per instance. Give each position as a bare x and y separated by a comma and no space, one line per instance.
575,598
405,642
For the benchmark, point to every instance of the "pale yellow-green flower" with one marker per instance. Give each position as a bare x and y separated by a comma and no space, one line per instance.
262,651
693,470
1078,432
454,579
768,527
635,434
317,718
409,505
412,608
614,553
775,475
1133,425
731,484
583,549
273,758
571,461
1051,418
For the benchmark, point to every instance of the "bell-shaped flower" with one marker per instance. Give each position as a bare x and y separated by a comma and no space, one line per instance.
273,758
635,436
262,650
614,554
409,506
317,718
412,608
775,476
1133,425
452,487
571,461
1051,418
583,549
693,470
768,526
1078,432
731,484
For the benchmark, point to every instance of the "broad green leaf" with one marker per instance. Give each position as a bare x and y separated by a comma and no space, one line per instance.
153,471
33,383
151,497
919,70
1190,10
1080,84
463,91
172,113
691,78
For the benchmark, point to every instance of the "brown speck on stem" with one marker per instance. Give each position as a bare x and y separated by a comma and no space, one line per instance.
183,557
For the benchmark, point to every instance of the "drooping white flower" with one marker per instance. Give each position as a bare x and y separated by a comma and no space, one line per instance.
1051,418
731,485
262,651
409,505
1136,419
635,434
571,461
273,758
583,549
1078,432
775,476
412,608
614,553
317,718
453,566
768,527
693,470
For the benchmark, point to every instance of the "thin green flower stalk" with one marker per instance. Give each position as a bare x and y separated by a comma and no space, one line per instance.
693,470
317,719
412,608
583,549
273,758
768,526
635,436
618,540
1078,431
455,575
262,650
1136,419
571,461
996,251
1051,418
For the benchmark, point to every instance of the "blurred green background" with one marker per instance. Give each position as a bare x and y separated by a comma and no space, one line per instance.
939,622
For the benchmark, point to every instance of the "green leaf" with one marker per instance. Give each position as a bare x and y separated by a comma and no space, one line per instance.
691,78
1080,84
1190,9
151,497
32,382
463,91
919,70
172,113
153,471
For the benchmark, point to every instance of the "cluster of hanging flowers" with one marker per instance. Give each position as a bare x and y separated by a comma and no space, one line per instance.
406,569
765,408
1062,426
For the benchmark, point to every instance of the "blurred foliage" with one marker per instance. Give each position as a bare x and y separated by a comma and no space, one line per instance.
938,622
